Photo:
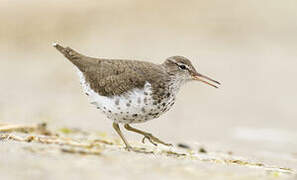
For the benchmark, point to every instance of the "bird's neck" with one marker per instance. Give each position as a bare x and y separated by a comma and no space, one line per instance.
175,84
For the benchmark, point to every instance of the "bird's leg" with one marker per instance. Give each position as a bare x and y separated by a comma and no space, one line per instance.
147,135
118,130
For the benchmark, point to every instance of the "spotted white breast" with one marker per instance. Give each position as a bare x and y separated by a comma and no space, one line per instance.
135,106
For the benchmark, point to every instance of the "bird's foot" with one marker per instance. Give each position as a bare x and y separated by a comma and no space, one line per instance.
138,150
152,139
129,148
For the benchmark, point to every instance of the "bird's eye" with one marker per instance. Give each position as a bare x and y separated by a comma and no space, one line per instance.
183,67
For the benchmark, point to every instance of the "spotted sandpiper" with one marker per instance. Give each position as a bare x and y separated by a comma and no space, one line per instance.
131,91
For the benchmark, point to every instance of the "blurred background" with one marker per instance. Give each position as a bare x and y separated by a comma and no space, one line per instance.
249,46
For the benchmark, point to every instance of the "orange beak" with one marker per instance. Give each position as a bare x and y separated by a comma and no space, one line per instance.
202,78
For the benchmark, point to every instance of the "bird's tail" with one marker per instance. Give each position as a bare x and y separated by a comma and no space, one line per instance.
68,52
71,55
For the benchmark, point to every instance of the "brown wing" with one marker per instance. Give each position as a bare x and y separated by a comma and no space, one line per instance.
115,77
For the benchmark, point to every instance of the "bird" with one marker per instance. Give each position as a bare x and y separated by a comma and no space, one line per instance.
133,91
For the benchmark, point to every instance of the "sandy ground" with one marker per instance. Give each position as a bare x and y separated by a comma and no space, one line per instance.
249,46
76,154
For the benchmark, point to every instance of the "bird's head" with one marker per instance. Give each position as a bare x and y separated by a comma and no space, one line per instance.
181,68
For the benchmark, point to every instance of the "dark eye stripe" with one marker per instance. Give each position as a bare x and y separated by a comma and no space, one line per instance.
183,67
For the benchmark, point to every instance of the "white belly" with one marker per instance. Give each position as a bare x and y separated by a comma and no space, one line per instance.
135,106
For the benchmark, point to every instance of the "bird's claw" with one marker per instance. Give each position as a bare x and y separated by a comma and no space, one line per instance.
150,139
154,140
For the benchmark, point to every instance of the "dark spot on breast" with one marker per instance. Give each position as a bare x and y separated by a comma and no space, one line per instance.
145,100
121,112
87,94
155,114
130,101
109,111
168,95
119,108
159,101
155,103
163,104
145,93
104,107
98,107
128,104
135,115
